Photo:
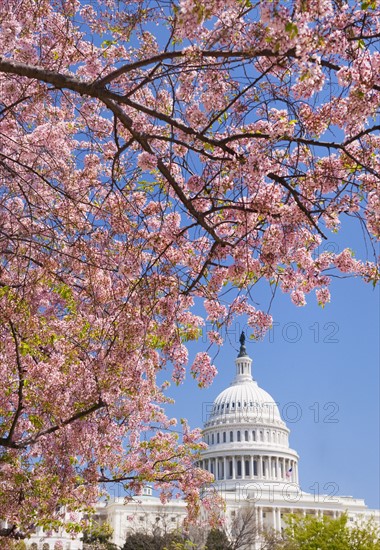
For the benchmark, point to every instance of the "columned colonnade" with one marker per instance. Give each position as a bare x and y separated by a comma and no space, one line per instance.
251,467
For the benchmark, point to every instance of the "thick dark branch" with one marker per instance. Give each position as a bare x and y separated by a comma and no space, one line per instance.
58,80
21,383
29,441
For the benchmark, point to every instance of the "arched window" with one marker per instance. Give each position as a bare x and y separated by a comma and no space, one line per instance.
230,467
224,437
253,435
238,464
218,437
246,435
231,436
255,467
212,439
246,469
238,435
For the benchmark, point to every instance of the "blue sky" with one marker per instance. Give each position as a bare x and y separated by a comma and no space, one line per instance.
322,367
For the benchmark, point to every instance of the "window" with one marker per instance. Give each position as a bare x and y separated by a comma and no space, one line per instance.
238,464
255,467
238,436
212,439
230,468
246,435
253,435
224,437
233,404
246,469
218,437
231,436
208,440
238,404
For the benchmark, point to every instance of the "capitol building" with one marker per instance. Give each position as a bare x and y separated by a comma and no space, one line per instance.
253,465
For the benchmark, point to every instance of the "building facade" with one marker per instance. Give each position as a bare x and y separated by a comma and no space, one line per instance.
249,455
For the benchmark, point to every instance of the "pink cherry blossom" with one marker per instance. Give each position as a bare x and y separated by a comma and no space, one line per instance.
144,178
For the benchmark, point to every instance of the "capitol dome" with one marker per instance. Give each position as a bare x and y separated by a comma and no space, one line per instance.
247,439
244,398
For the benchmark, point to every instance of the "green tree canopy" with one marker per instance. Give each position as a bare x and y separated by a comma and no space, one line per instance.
325,533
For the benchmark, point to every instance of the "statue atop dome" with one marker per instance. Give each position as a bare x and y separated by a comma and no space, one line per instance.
243,351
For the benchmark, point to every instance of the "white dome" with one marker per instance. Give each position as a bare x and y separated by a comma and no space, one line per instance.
246,398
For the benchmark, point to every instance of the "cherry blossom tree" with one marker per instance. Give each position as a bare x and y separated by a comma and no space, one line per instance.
155,153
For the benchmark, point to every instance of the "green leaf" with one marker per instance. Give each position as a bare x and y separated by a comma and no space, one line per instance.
108,43
368,4
291,29
24,348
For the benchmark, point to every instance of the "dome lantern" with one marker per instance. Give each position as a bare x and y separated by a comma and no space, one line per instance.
243,364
